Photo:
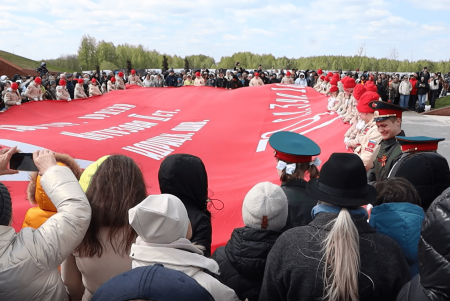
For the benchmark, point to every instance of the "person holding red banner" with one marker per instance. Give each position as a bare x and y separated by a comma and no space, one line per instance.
120,84
12,97
93,88
79,90
294,153
34,91
61,91
199,80
31,257
133,79
351,137
111,86
256,81
287,79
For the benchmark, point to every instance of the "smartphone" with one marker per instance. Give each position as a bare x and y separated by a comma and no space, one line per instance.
22,161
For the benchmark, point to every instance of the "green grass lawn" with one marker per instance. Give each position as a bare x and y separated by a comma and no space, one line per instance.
442,102
27,63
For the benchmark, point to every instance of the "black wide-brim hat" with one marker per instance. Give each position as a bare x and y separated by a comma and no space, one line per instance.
343,182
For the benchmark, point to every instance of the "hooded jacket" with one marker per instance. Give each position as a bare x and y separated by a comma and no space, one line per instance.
301,81
432,283
36,216
185,177
29,259
243,260
401,222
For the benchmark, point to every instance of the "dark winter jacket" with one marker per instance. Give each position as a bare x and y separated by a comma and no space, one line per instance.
274,81
235,83
294,267
300,203
185,177
243,260
381,90
428,172
422,87
70,89
222,82
433,281
171,81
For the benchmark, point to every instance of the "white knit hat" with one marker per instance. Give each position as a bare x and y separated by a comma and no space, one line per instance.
160,219
265,207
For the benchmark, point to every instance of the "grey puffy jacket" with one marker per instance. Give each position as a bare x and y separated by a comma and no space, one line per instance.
29,260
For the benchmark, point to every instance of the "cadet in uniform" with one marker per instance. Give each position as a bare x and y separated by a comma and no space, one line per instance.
133,79
294,154
423,167
388,118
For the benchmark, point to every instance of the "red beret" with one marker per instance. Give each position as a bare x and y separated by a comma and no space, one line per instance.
370,86
320,72
62,82
329,74
288,73
359,91
120,74
133,71
113,79
349,83
197,74
14,86
93,80
334,88
334,81
256,74
326,79
322,77
38,80
80,81
366,98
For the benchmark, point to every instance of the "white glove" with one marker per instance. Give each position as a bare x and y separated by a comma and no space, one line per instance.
36,99
69,99
346,139
40,99
18,103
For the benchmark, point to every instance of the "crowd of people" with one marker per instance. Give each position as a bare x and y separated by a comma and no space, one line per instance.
371,224
411,91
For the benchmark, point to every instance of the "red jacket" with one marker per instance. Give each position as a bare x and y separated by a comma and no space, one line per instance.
413,82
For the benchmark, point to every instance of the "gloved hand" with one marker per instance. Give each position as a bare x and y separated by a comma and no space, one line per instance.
40,99
18,104
36,99
346,139
69,99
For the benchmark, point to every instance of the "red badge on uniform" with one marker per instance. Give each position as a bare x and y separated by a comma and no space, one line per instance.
366,130
370,146
383,160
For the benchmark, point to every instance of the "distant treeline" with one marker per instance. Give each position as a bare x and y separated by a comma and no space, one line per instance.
106,56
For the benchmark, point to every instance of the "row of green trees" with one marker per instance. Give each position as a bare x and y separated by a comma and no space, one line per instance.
93,54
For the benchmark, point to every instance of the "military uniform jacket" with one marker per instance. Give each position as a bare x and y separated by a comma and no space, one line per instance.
369,139
390,152
300,203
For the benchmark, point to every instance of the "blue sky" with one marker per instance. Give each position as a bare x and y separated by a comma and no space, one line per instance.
418,29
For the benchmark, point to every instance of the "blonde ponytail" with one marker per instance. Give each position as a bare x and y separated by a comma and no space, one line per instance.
342,261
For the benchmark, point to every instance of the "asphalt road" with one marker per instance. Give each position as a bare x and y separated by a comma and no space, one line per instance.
427,125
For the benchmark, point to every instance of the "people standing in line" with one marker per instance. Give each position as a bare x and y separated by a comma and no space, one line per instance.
388,118
113,185
422,91
434,88
294,153
185,177
242,260
338,256
404,90
413,95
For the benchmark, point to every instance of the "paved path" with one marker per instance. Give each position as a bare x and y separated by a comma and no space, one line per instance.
428,125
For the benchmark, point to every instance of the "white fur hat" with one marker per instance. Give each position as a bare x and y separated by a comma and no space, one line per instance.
265,207
160,219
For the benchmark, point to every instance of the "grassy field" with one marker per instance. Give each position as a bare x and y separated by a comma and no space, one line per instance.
443,102
27,63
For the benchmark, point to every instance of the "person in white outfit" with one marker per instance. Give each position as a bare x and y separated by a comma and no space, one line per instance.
163,226
301,80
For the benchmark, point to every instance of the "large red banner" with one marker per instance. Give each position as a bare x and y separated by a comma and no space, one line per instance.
228,129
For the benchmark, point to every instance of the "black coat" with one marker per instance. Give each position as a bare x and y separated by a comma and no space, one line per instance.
185,177
294,267
300,203
221,82
243,260
235,84
433,281
422,87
